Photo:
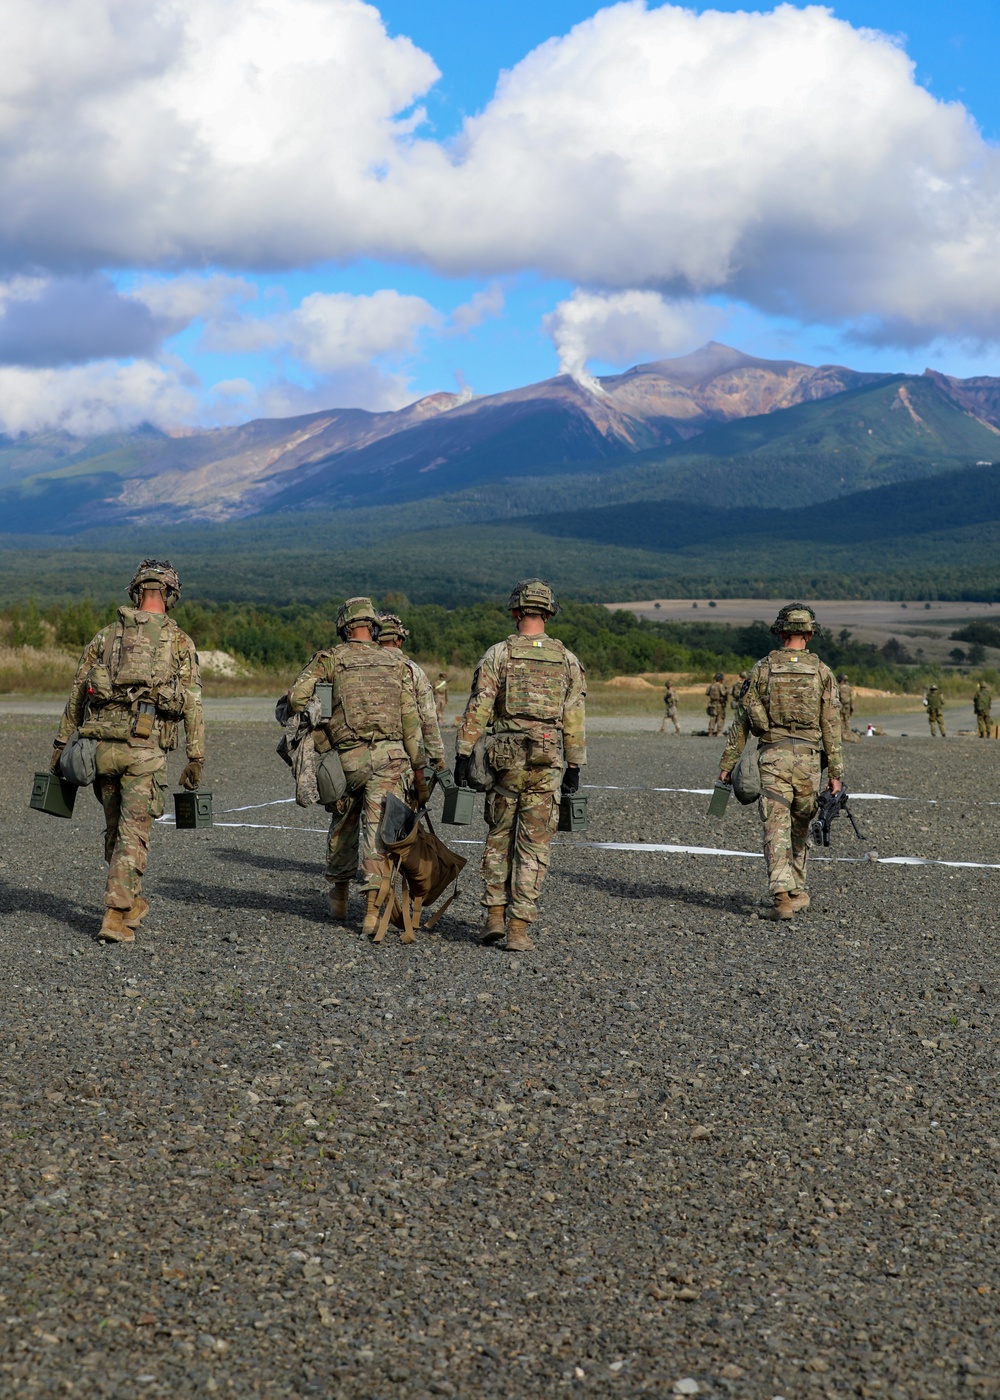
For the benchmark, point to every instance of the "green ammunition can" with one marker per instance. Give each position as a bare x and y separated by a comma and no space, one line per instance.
721,794
324,694
192,810
459,806
52,794
572,812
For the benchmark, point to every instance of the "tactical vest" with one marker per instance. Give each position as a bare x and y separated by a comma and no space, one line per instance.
787,700
537,679
138,667
367,695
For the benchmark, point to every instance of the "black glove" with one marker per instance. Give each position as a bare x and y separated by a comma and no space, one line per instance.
571,780
462,770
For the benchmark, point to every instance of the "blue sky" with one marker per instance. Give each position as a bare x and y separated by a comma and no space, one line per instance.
233,235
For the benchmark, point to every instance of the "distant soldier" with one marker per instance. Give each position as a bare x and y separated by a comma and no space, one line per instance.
136,681
792,705
716,708
392,633
981,702
669,709
735,691
440,695
847,734
528,696
375,729
934,701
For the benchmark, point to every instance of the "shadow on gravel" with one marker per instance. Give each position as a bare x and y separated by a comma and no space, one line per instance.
15,899
304,867
310,907
636,889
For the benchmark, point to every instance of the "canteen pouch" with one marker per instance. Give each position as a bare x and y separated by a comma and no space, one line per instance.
746,775
331,780
78,761
720,800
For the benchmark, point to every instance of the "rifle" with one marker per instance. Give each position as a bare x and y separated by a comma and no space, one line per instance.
831,804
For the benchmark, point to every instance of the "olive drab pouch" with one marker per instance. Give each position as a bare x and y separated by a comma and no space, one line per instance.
537,678
480,775
170,699
794,690
331,781
746,775
78,761
369,686
545,750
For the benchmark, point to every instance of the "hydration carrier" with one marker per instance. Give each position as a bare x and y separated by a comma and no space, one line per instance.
794,693
368,684
537,679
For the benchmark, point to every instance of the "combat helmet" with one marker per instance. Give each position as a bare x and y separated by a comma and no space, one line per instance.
391,629
841,678
155,575
357,612
719,676
533,595
795,617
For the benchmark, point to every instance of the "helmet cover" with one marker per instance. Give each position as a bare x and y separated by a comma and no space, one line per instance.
533,595
795,617
357,612
391,629
155,575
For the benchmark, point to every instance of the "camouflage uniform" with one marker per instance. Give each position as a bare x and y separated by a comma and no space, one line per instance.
981,703
847,734
935,710
432,749
528,694
792,705
716,709
440,696
142,657
375,727
669,709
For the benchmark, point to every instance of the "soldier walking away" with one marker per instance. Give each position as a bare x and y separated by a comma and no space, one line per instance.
669,709
981,702
527,701
847,734
375,729
736,690
934,701
440,695
716,708
792,705
136,681
392,633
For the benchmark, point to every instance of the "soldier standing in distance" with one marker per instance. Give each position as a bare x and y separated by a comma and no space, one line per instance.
136,680
392,633
847,734
934,701
716,709
791,703
669,709
528,696
440,695
981,703
375,729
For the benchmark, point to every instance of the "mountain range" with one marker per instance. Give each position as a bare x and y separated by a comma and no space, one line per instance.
680,429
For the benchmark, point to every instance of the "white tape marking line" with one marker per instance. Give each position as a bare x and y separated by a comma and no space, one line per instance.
707,792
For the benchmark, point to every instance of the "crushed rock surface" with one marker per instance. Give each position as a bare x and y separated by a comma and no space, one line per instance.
675,1150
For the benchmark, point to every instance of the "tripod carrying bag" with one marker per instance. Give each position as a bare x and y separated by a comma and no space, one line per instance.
425,864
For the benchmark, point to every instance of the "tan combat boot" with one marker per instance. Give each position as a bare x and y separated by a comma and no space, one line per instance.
369,923
493,929
337,897
134,916
114,929
781,907
799,900
517,937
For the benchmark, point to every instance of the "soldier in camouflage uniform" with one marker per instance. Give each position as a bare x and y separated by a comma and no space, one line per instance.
792,704
136,681
392,633
375,729
440,695
735,691
669,709
847,734
981,703
934,701
716,710
527,698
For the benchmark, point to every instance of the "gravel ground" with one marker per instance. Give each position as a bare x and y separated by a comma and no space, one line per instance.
676,1150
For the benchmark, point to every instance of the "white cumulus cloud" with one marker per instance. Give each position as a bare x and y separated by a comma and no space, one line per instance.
101,397
623,327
